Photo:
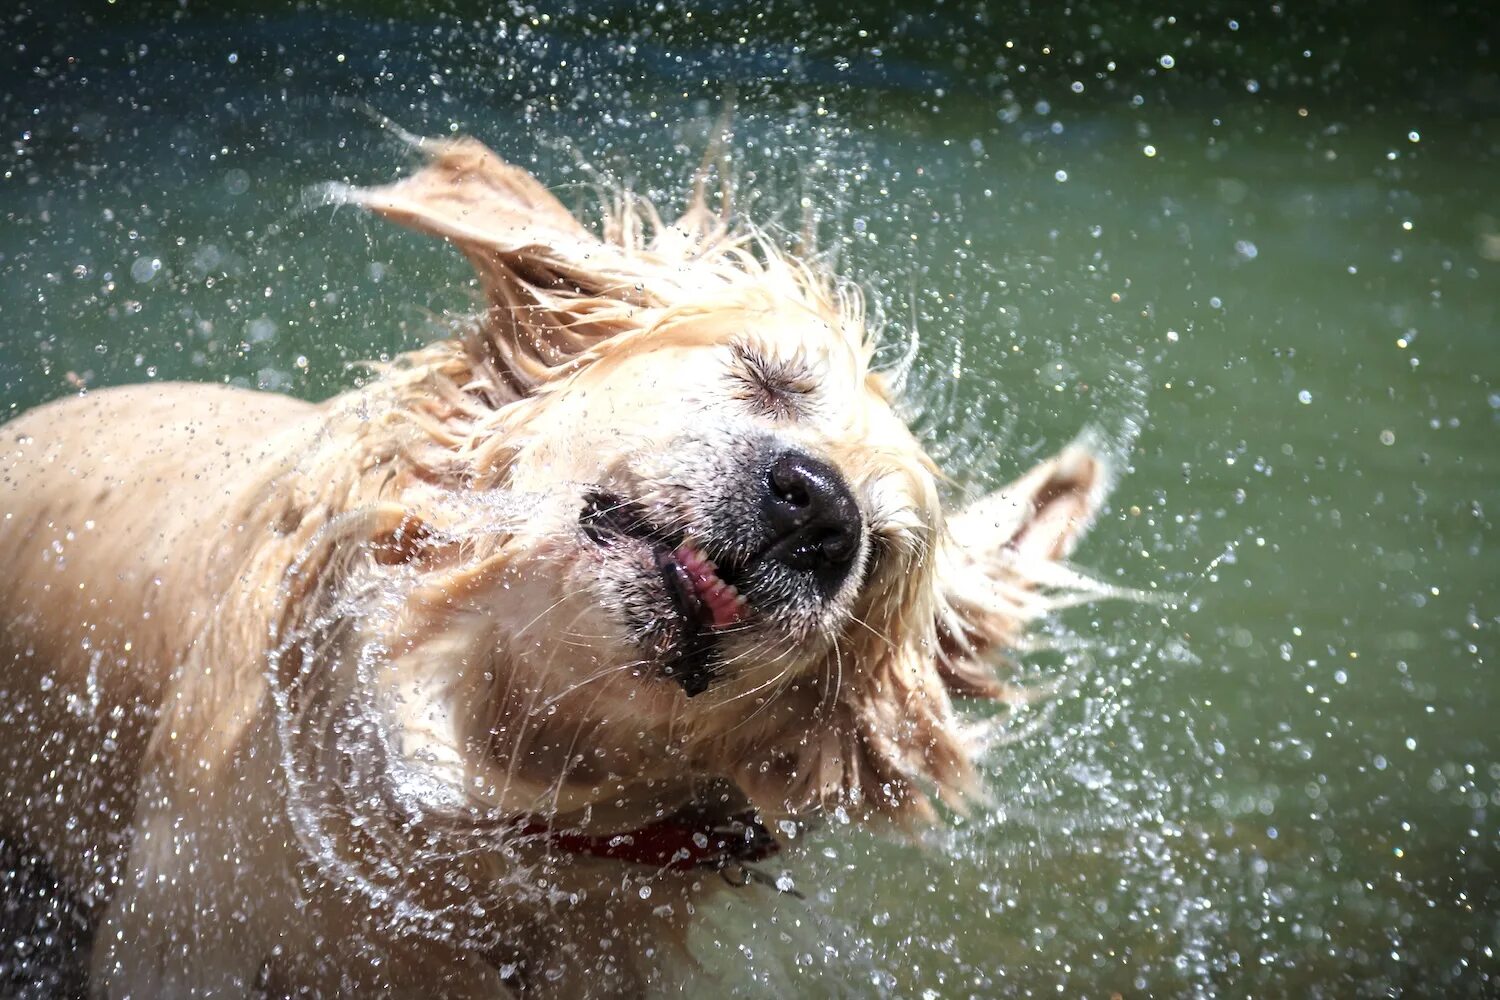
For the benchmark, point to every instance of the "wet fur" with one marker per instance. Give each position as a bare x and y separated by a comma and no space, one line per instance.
280,677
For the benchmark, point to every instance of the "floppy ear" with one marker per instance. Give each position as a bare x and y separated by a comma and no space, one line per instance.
1001,566
555,290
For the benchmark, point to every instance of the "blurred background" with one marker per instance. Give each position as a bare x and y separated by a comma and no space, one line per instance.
1254,247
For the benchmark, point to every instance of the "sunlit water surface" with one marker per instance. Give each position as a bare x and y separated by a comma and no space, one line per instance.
1281,777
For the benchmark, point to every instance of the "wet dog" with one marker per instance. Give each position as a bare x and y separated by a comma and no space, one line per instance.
482,677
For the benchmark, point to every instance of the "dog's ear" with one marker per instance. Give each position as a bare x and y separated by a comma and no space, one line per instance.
1002,566
555,290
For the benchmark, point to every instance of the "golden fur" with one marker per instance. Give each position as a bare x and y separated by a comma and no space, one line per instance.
278,680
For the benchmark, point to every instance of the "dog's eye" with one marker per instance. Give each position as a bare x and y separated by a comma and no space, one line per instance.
776,387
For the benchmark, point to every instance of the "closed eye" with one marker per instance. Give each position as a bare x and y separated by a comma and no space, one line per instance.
779,388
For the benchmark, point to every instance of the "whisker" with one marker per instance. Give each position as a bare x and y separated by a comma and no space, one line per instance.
614,668
832,697
543,613
567,766
779,682
873,631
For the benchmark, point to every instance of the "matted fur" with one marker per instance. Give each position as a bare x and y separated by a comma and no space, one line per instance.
287,683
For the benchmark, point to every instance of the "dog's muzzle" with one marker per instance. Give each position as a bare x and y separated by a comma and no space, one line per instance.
784,535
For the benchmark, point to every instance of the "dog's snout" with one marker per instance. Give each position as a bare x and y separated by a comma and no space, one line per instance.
812,518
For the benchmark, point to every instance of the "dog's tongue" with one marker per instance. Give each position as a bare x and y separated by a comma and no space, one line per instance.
724,603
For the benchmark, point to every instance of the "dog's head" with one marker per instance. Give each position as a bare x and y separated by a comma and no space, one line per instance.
738,482
682,513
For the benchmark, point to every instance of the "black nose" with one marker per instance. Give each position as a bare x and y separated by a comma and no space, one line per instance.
812,518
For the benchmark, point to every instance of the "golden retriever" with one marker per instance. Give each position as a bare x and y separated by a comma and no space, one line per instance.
483,677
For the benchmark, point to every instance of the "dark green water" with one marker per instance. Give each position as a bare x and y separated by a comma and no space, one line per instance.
1275,287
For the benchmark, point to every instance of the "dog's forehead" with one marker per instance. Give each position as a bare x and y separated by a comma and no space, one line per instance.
790,325
804,346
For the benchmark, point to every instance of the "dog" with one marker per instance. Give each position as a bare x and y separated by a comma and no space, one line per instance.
484,677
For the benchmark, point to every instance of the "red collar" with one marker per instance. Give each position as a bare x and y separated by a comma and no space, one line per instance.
674,844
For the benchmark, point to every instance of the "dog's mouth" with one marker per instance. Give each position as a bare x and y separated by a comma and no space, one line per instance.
702,597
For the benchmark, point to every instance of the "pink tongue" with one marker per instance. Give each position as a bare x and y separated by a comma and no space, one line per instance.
724,608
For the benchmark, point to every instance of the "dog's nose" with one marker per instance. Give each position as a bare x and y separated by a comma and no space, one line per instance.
812,518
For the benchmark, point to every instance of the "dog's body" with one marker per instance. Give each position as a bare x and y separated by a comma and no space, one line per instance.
472,679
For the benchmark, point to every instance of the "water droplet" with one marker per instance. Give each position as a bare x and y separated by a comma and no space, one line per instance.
145,268
260,330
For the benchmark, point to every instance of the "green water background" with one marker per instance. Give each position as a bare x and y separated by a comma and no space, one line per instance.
1258,249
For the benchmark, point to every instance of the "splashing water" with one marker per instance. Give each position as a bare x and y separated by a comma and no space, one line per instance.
1278,777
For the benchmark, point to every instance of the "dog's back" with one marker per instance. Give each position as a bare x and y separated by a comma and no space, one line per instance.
98,495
